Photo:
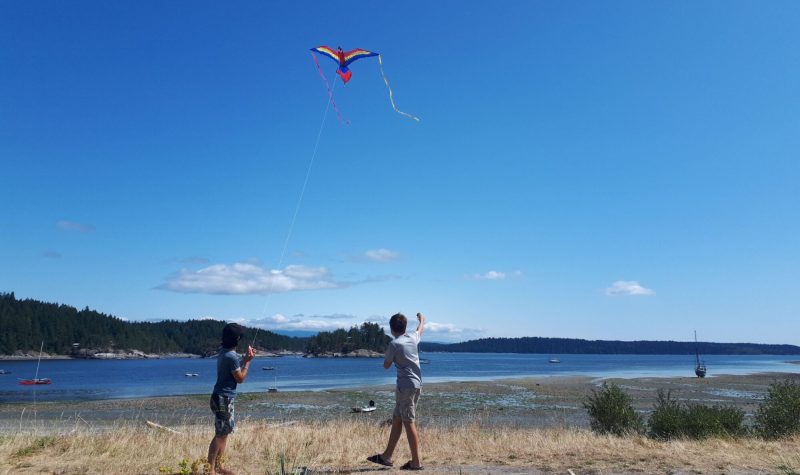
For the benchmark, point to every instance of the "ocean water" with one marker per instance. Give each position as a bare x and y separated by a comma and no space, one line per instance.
110,379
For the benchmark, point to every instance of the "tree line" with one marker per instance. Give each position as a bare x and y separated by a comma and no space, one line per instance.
369,336
25,324
606,347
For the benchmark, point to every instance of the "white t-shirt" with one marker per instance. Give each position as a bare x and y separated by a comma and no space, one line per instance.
402,351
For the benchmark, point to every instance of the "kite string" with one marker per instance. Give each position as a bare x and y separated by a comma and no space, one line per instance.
391,95
297,206
330,91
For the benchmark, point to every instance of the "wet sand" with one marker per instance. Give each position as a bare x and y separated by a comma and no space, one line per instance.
554,401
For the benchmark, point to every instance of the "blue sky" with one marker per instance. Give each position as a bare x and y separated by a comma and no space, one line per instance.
603,170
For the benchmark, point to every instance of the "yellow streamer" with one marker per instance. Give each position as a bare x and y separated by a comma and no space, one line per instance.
391,96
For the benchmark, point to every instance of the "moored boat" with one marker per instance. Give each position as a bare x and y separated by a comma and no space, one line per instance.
34,381
699,366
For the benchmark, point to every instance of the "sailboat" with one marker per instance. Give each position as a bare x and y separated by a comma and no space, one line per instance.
36,380
700,366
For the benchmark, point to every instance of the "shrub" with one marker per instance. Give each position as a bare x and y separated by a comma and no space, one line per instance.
779,414
713,421
666,420
611,412
671,419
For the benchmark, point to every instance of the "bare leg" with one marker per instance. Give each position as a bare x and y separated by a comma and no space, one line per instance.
215,451
394,436
413,442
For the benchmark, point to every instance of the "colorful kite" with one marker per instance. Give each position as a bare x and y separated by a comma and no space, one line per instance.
343,60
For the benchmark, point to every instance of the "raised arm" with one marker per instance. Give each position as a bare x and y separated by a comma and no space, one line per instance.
421,324
241,374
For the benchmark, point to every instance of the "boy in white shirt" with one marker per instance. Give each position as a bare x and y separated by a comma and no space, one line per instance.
403,353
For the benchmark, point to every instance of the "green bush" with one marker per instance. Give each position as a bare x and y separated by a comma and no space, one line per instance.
611,412
671,419
666,419
779,414
713,421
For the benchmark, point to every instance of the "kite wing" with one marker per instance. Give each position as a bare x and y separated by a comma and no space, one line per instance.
356,54
327,51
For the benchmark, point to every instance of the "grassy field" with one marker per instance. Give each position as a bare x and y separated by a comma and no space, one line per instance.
341,447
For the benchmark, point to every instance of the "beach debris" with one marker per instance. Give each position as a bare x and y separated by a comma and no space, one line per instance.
160,427
368,408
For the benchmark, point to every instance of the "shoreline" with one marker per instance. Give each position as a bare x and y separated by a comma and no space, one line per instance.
533,402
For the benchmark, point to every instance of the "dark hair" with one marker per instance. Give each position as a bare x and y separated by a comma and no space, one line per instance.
398,323
231,335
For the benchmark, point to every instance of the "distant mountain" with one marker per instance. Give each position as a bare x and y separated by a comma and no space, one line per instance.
604,347
24,324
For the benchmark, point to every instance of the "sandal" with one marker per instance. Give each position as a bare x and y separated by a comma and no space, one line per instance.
408,466
378,458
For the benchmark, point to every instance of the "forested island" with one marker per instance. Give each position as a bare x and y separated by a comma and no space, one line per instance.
606,347
369,336
64,330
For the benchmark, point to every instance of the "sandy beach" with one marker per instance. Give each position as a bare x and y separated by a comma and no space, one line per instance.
548,410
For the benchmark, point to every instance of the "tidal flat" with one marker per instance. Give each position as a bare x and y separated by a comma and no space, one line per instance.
543,402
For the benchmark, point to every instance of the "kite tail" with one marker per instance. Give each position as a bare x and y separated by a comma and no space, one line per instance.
391,96
330,92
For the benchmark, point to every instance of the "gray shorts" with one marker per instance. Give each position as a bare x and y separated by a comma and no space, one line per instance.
223,409
405,405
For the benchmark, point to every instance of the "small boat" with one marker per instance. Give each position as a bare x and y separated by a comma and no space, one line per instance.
424,361
34,381
272,390
191,375
2,371
268,368
554,360
699,366
370,408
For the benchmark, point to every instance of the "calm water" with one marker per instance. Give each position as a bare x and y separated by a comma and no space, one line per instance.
97,379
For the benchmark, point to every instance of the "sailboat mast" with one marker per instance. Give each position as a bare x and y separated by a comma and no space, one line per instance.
696,348
40,360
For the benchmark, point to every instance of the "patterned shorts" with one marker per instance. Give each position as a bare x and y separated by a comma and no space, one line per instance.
222,407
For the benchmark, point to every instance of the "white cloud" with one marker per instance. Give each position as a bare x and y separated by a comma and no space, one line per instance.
382,255
627,287
434,331
495,275
249,278
75,227
308,323
450,332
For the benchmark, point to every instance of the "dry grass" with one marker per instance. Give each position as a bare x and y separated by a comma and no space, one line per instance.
341,447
